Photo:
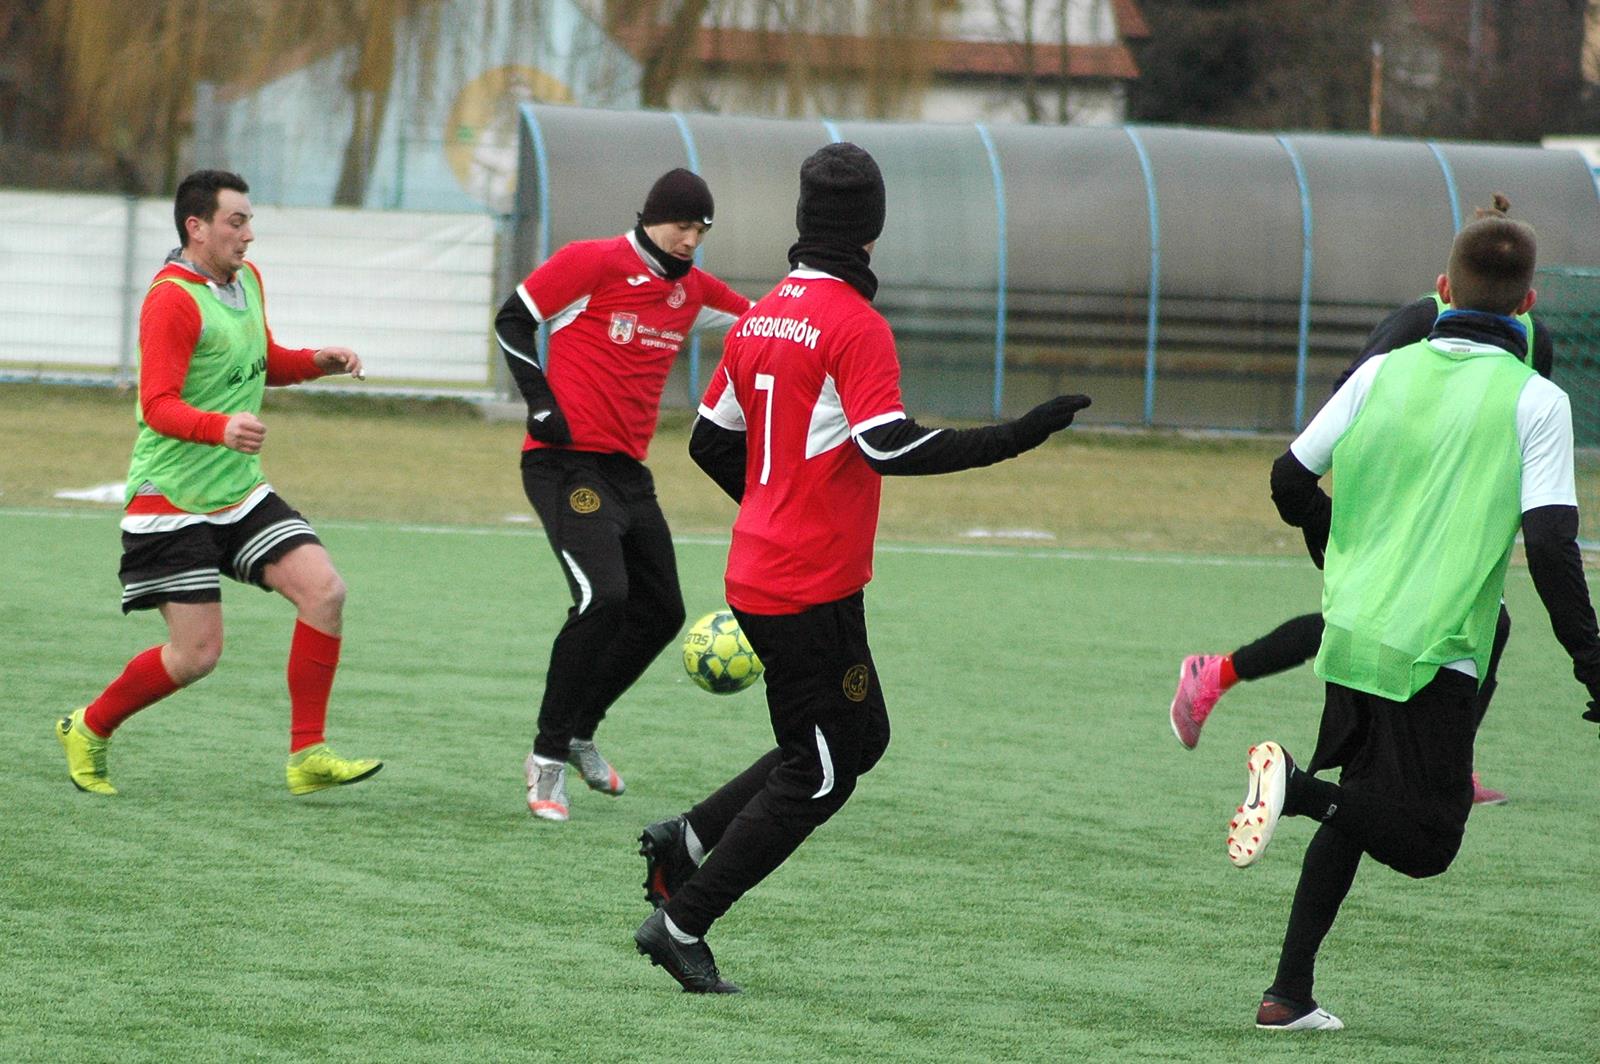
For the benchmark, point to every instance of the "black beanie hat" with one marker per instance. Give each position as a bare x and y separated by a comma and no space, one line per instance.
677,196
841,197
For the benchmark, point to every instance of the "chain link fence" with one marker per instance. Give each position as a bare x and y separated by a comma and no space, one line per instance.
1569,306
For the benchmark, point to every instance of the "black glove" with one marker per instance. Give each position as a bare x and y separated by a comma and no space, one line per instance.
1050,416
549,425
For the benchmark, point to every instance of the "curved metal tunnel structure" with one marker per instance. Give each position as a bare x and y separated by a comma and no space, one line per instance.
1182,277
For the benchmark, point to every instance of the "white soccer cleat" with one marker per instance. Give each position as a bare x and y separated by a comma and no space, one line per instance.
1254,821
547,787
1277,1015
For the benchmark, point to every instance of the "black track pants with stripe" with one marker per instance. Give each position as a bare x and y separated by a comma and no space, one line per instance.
615,549
831,724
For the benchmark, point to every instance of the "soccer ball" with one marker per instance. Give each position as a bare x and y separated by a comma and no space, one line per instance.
718,657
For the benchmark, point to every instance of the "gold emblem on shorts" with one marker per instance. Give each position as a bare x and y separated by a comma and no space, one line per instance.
855,683
585,500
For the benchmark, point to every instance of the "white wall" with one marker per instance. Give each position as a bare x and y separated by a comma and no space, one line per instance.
411,292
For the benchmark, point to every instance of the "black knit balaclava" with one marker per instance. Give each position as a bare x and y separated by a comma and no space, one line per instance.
841,209
677,196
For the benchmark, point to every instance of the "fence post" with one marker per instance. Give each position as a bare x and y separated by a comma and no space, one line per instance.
130,294
1153,308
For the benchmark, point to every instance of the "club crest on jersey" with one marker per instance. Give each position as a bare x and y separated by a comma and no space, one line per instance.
855,683
676,297
622,326
584,501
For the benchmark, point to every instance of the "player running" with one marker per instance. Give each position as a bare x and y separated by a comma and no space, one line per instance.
799,424
198,504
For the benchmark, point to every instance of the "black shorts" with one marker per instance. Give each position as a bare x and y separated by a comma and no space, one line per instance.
1418,751
186,564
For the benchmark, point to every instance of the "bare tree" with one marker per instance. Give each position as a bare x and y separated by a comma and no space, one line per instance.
838,57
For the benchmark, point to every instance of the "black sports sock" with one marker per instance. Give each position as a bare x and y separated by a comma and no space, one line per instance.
1306,795
1292,643
1325,877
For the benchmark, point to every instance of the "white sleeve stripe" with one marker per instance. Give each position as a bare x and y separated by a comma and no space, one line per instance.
527,301
712,318
717,419
508,349
874,422
884,456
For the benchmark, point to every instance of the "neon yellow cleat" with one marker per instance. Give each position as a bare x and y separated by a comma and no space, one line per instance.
86,754
318,766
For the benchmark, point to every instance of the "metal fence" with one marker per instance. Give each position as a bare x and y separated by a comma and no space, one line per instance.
1185,278
413,292
1569,306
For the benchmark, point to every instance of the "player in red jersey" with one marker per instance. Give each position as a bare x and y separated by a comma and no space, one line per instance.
618,310
799,424
198,504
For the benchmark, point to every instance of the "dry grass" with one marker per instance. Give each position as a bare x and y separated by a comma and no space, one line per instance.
390,460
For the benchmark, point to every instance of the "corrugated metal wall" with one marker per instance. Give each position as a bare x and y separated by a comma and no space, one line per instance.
1183,277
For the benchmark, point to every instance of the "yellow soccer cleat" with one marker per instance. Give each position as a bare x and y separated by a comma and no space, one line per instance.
318,766
86,754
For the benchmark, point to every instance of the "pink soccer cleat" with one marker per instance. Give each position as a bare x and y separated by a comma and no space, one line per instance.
1482,795
1199,687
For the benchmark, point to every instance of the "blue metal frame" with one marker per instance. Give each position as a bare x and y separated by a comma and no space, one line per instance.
1302,349
1152,318
1450,186
541,163
1001,252
694,339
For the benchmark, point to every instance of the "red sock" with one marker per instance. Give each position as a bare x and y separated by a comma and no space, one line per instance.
313,659
143,682
1228,676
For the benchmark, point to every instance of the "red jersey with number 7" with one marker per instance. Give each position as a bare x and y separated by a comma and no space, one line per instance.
807,369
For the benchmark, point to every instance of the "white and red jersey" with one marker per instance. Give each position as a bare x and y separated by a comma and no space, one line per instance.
616,325
810,367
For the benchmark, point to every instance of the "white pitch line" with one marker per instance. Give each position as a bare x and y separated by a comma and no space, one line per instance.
1013,554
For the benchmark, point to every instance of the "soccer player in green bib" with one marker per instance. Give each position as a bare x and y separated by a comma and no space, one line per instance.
1441,451
198,504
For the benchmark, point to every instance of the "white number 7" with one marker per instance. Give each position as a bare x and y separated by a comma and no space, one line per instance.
766,382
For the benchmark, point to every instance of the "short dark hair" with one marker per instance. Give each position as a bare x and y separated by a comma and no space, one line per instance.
197,197
1491,265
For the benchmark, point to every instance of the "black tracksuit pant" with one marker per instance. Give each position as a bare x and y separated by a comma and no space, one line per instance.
831,724
607,530
1403,797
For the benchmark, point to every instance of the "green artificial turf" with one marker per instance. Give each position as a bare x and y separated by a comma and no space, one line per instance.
1035,872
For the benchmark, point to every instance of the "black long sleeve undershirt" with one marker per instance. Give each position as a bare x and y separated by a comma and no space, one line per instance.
1550,538
720,453
1302,503
517,331
898,448
906,449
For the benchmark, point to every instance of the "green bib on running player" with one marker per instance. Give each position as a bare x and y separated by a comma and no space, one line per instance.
1427,500
227,374
1525,320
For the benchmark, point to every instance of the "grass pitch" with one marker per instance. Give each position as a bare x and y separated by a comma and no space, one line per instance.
1035,871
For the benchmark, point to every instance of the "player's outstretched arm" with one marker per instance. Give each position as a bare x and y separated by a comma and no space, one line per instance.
721,453
906,449
1302,503
516,331
1550,537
